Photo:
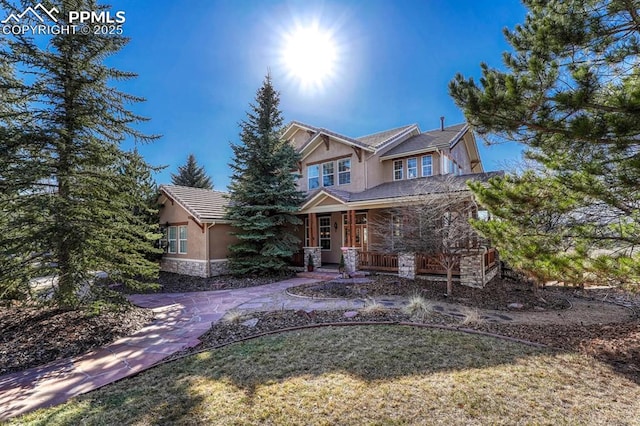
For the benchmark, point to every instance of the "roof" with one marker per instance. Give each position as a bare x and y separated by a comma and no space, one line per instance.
377,139
422,186
429,139
409,187
204,205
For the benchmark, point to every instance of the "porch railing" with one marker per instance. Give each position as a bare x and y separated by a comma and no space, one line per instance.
426,264
378,261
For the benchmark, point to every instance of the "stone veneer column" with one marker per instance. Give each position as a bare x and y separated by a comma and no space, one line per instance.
471,270
316,255
350,259
407,265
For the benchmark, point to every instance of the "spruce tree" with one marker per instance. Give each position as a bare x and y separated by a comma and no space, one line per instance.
571,95
192,175
263,193
72,206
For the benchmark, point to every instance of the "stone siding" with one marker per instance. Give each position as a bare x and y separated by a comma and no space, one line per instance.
185,267
407,265
218,267
316,255
472,270
351,260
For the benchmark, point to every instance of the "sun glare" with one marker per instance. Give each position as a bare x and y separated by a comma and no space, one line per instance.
310,56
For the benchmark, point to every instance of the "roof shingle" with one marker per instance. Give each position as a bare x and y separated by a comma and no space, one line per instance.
429,139
203,204
377,139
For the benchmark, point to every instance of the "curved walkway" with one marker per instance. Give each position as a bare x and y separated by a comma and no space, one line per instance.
181,318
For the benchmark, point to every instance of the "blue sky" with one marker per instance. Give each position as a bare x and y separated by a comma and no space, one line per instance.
201,62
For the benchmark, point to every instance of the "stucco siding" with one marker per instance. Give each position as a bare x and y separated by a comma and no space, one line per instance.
219,241
336,151
176,215
461,156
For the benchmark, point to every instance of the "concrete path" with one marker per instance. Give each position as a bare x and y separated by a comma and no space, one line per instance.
181,318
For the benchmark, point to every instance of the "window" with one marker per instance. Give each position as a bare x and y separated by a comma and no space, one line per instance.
327,174
397,170
412,168
306,232
450,166
173,241
344,171
313,174
177,239
182,242
427,165
396,231
324,228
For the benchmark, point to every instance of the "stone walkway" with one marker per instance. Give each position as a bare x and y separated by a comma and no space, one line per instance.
181,318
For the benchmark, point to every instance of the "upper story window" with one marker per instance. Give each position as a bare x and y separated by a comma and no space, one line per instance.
450,166
412,168
327,174
313,174
398,169
427,165
344,171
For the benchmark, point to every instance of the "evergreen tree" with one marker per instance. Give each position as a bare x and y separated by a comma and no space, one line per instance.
192,175
263,193
571,95
72,208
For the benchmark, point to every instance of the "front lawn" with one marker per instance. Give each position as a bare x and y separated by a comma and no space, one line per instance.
360,375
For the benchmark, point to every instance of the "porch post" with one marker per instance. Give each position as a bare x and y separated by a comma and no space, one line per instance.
313,231
352,228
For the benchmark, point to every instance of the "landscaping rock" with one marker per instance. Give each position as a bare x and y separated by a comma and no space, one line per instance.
516,306
251,323
350,314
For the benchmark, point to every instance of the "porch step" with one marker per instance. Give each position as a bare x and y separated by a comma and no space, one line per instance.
318,275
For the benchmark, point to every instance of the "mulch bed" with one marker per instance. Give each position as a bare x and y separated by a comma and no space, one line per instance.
32,336
176,283
496,295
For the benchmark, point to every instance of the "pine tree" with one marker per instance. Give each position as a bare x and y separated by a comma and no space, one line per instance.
263,193
571,95
192,175
72,207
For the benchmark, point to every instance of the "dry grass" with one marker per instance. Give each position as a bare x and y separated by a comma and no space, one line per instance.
233,316
471,316
419,307
363,375
371,307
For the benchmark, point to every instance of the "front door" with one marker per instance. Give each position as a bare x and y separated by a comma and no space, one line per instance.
362,237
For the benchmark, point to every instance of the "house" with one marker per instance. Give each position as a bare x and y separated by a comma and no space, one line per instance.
196,235
349,181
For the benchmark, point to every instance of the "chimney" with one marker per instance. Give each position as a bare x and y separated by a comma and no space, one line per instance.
442,123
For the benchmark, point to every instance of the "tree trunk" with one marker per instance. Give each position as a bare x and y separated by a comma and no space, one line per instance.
449,281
